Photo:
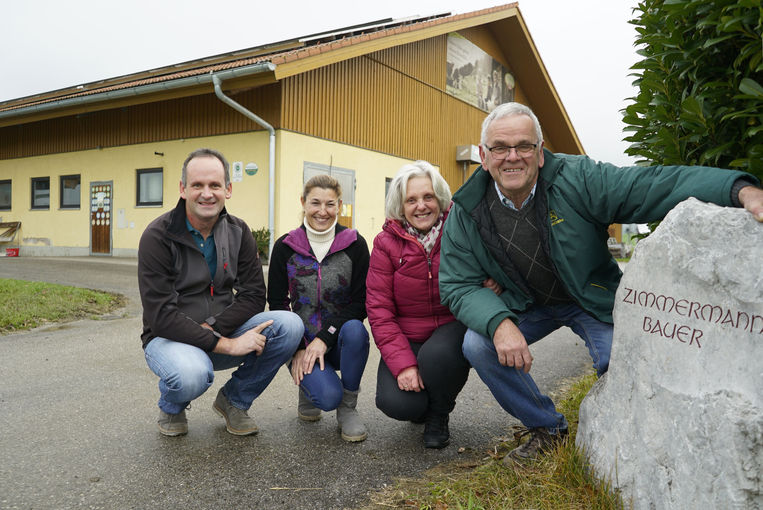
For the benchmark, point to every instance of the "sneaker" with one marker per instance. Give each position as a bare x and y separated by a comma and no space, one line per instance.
173,424
436,433
541,441
306,411
237,422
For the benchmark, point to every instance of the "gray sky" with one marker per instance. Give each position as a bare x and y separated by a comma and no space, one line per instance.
586,45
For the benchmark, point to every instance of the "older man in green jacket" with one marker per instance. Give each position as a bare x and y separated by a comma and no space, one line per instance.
536,222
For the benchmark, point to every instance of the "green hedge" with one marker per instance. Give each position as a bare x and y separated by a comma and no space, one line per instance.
700,99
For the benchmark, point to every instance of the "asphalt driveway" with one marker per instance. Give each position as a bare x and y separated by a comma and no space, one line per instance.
78,411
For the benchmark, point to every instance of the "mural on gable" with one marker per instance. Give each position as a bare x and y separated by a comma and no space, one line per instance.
475,77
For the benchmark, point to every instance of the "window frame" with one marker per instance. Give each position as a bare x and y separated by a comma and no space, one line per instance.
9,182
61,192
35,207
146,171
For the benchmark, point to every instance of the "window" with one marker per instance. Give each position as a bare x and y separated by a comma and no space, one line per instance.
40,192
5,195
149,187
70,196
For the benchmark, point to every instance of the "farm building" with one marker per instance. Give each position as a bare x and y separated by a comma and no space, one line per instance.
85,169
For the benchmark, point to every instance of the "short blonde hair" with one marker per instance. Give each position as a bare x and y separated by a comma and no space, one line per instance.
393,208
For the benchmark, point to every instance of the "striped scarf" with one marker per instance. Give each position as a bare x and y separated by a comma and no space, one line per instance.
427,239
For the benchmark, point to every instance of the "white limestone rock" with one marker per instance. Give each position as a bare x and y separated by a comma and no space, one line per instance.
677,422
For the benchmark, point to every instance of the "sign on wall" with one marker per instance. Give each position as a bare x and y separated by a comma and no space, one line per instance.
475,77
237,171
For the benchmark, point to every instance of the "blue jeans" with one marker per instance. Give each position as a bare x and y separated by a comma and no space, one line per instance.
515,390
323,387
185,371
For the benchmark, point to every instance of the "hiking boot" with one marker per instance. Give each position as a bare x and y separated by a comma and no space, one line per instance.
173,424
541,441
306,411
237,422
436,433
351,425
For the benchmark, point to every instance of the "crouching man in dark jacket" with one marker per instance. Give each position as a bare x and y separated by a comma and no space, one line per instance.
203,296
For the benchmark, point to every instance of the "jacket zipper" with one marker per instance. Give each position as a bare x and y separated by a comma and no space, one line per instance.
320,277
212,281
406,235
545,241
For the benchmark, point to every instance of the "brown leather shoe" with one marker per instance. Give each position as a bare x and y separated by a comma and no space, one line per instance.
173,424
237,422
541,441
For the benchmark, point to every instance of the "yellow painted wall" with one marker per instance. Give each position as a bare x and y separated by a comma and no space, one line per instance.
371,168
57,232
66,232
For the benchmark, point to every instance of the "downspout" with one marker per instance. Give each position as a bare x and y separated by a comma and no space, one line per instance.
271,153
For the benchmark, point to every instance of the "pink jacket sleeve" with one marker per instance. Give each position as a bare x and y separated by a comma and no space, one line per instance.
382,309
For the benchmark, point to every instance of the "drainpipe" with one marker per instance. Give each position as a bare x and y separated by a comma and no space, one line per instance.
271,153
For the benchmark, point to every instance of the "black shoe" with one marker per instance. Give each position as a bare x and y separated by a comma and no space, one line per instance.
436,433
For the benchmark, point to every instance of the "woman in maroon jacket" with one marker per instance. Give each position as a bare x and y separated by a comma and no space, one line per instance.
422,367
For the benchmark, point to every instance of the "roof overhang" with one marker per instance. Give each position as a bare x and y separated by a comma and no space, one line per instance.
514,38
268,64
510,30
254,75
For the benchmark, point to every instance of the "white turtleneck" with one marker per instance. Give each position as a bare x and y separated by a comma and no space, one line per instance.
320,242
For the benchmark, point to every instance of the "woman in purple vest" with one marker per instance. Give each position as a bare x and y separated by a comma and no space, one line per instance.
318,271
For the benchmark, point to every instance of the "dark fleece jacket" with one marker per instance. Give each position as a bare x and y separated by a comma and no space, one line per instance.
177,291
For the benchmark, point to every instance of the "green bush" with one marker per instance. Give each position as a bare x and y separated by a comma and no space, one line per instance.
262,238
700,99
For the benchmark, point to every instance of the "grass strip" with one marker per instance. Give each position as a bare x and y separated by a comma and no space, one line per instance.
25,305
561,479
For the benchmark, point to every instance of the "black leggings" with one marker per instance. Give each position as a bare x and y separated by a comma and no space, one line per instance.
443,369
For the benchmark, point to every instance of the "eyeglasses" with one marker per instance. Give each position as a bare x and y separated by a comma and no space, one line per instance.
523,149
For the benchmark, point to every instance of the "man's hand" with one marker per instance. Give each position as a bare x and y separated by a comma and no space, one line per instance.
751,198
493,285
511,346
409,379
250,341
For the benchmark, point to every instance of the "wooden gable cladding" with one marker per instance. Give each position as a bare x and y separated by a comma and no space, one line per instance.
392,101
423,61
187,117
